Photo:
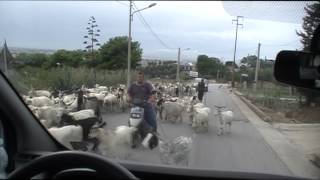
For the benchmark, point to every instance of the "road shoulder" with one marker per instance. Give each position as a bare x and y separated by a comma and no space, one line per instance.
295,160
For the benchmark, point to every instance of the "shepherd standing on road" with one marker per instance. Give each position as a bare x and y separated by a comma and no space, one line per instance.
201,89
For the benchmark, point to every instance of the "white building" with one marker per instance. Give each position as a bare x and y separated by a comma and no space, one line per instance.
187,67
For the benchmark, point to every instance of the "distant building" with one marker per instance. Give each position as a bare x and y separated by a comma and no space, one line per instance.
149,62
187,67
269,61
17,50
155,62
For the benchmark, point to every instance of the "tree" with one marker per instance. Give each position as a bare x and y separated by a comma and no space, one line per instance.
203,64
250,60
230,64
162,71
31,59
265,71
310,23
208,66
67,58
88,61
114,53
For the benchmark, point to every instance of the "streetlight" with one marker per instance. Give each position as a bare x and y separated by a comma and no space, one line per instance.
178,67
129,39
178,64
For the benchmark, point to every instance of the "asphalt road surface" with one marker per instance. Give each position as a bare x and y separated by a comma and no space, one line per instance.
242,150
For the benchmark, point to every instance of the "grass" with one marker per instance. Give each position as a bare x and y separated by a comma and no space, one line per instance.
269,89
272,96
66,78
63,78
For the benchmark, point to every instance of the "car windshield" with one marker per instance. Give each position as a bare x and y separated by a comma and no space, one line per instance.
73,63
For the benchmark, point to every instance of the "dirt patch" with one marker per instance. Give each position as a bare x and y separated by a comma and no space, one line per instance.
300,115
307,114
282,111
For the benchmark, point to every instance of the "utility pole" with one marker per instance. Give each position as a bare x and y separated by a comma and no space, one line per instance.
129,45
178,67
178,72
235,47
218,72
219,68
257,68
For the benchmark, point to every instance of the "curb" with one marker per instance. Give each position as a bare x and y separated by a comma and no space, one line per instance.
254,108
297,163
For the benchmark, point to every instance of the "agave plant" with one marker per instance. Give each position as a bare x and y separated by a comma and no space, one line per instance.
93,32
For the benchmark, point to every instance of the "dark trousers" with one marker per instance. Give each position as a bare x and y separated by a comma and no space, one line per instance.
200,95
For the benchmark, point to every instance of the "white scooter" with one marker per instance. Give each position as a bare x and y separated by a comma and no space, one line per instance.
144,134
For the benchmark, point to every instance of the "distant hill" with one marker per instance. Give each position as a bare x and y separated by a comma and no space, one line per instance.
17,50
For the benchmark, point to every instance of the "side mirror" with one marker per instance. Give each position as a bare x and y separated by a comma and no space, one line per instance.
297,68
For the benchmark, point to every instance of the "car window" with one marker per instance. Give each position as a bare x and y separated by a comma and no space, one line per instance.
81,65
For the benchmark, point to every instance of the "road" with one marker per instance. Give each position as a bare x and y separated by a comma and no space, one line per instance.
242,150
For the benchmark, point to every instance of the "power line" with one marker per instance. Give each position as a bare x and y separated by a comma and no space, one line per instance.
122,3
141,18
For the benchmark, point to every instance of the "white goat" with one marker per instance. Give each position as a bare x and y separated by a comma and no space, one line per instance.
37,93
45,123
225,122
176,151
34,109
199,117
24,97
122,100
83,114
67,134
193,91
69,99
101,88
122,86
117,143
51,114
100,96
110,100
39,101
173,111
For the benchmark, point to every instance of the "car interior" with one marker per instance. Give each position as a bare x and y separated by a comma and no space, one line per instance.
34,153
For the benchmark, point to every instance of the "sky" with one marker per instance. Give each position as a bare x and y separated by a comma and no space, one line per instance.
204,27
